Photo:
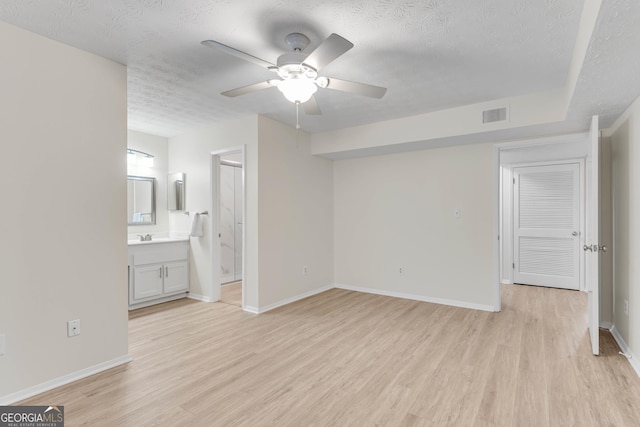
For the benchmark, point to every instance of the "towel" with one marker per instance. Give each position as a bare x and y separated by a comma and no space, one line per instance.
196,225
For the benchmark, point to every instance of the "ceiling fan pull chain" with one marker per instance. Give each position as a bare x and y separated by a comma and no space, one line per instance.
297,125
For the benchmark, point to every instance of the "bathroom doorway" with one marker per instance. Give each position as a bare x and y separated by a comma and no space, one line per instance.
228,244
230,228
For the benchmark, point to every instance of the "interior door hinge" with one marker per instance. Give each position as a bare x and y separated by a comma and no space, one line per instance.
513,265
514,180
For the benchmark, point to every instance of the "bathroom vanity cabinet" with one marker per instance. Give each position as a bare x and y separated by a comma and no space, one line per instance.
158,272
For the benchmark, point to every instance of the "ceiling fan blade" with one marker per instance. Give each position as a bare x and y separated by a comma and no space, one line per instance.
248,89
311,107
330,49
238,53
357,88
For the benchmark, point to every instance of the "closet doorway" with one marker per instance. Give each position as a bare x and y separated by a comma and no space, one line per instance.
543,195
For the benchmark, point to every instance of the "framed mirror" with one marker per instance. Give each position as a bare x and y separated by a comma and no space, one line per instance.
141,200
176,191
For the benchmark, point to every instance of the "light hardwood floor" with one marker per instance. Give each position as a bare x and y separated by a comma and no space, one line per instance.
231,293
343,358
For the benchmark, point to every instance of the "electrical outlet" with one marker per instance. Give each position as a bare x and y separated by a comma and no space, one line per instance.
3,344
73,328
401,271
457,212
305,271
626,307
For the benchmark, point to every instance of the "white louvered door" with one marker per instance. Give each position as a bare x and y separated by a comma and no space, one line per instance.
547,225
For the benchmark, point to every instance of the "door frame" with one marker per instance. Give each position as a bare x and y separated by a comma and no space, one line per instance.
509,257
214,217
564,147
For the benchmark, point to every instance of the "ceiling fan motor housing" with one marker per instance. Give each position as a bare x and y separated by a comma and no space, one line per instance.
297,41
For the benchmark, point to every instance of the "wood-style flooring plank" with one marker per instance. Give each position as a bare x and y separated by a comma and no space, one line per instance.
231,293
343,358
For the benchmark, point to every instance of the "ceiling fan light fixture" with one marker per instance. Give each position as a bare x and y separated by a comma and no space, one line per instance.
298,71
297,90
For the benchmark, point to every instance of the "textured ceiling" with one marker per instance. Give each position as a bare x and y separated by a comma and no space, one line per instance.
430,54
610,77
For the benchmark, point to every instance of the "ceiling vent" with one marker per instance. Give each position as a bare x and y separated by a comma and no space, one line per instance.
495,115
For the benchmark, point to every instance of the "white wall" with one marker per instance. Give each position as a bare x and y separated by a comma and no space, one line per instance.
295,215
63,255
625,157
398,211
158,147
288,204
191,154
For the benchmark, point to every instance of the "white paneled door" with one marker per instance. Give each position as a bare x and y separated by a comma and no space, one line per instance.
546,202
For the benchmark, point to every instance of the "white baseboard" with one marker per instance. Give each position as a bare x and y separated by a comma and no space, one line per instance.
60,381
453,303
251,309
606,325
158,301
633,360
273,306
506,282
199,297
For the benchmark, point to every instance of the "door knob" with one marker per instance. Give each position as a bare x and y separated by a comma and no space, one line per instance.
575,233
594,248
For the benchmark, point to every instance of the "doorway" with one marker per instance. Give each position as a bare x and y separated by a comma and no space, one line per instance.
230,229
227,170
231,220
540,156
560,149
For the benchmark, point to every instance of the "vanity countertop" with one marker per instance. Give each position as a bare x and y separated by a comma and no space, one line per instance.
158,240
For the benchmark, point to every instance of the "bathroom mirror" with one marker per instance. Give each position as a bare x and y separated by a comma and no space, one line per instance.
141,200
176,191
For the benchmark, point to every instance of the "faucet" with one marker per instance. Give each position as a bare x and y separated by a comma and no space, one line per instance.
146,238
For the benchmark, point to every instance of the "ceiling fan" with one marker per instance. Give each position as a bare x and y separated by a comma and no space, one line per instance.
298,73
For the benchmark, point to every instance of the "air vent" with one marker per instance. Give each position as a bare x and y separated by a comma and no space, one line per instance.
495,115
